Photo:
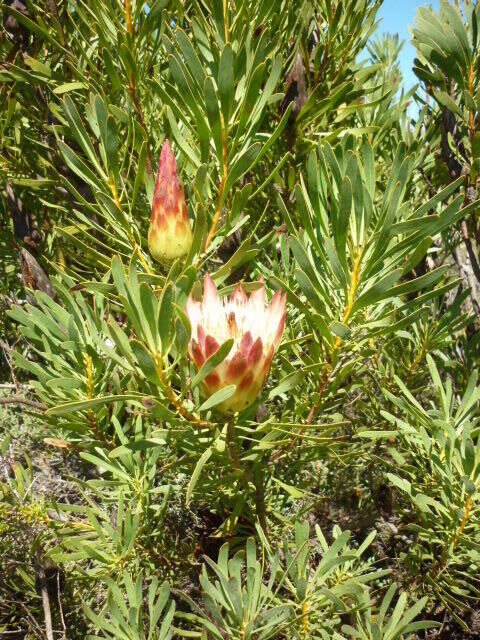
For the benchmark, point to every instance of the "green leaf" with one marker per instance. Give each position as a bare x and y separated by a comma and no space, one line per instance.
401,483
213,362
194,65
241,165
213,115
343,218
180,140
69,86
218,397
226,82
165,315
446,101
137,445
378,291
310,291
145,361
80,134
469,461
376,435
289,382
78,167
295,493
80,405
196,473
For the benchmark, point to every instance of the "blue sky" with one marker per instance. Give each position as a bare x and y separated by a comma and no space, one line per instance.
396,16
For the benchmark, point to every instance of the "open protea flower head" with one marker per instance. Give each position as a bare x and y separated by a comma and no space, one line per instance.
170,233
255,329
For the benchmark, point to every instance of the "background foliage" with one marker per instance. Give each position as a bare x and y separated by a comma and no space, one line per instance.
344,502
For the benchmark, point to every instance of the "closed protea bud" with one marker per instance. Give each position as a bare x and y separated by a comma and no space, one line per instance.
170,233
256,331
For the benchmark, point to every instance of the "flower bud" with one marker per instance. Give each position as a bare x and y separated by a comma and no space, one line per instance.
170,233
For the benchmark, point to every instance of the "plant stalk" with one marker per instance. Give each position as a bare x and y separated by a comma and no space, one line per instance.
259,481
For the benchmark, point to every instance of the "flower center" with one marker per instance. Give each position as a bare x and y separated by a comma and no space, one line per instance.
232,324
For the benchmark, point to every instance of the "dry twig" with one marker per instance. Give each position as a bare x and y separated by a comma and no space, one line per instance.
21,400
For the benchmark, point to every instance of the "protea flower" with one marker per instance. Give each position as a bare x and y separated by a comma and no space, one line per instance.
170,233
255,329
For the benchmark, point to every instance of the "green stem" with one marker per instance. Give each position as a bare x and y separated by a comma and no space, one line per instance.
232,445
259,481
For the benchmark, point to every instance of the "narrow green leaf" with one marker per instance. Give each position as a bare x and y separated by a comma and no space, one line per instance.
212,362
218,397
80,405
196,473
226,82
